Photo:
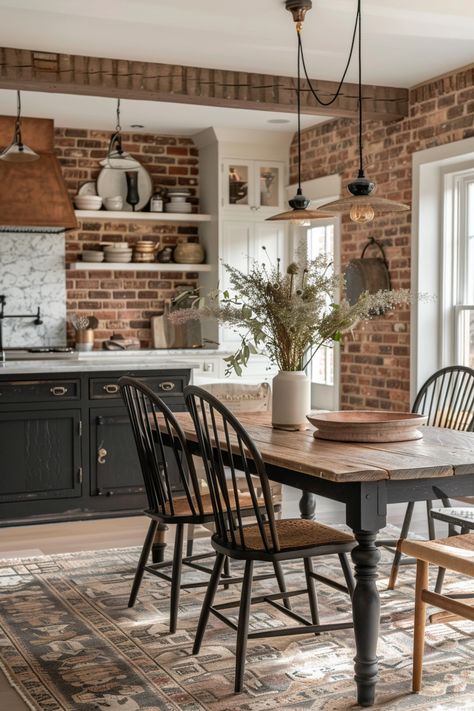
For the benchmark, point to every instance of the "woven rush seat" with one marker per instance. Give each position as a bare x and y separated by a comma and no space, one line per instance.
455,552
182,507
294,533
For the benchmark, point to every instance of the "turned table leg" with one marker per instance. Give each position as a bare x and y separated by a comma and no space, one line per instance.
366,615
159,544
308,506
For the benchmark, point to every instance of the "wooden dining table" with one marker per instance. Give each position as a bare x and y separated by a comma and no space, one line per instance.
366,478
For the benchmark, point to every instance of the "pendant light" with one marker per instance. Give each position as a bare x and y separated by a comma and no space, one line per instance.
362,205
17,152
115,153
299,204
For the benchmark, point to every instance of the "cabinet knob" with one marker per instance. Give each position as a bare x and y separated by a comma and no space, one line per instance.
167,386
101,455
58,390
111,388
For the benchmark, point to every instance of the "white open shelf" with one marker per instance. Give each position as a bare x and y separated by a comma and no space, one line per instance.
141,216
139,267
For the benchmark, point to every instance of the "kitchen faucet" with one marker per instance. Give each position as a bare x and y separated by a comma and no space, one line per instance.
37,320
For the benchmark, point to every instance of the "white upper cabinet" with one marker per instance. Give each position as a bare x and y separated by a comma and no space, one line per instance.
252,186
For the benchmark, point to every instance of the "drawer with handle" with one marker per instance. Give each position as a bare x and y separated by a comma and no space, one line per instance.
18,391
108,388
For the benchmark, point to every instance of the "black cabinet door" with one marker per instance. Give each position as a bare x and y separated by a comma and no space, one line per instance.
115,467
40,455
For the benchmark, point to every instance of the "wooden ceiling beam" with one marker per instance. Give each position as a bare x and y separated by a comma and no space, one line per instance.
31,70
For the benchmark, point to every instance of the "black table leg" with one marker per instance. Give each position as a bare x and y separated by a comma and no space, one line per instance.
308,505
366,615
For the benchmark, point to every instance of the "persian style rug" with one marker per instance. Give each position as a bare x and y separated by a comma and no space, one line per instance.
68,641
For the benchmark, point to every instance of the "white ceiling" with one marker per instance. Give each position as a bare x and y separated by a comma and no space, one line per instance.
97,112
405,42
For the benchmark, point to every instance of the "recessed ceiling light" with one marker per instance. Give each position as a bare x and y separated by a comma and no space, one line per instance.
137,125
281,120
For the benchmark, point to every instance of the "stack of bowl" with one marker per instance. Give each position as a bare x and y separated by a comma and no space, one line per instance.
144,251
178,201
118,252
88,202
92,255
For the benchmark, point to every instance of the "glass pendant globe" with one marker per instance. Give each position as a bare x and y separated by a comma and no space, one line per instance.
361,213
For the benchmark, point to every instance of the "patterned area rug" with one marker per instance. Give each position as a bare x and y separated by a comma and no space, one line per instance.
68,641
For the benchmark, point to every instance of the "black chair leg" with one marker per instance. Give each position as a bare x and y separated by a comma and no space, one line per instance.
243,626
190,540
281,582
440,580
398,554
226,571
347,570
142,562
431,527
207,603
312,596
176,576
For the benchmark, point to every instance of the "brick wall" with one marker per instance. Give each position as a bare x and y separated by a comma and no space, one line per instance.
375,365
123,301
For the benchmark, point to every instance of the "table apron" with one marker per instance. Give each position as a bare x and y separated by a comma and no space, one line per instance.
400,491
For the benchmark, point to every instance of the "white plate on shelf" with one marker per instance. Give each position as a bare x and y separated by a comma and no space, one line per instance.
87,189
113,181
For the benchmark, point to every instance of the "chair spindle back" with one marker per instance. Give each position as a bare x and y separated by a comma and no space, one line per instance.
447,398
151,419
226,445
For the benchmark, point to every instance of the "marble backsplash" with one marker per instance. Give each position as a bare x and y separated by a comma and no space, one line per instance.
32,274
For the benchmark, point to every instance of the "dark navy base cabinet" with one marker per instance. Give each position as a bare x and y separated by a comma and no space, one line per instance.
66,446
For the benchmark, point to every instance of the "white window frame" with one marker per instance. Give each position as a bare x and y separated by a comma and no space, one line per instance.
320,191
434,337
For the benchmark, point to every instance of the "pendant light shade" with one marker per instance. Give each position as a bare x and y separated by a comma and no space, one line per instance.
17,152
117,158
299,204
362,205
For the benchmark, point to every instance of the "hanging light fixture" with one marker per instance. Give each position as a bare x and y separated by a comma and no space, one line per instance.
300,211
362,205
17,152
115,152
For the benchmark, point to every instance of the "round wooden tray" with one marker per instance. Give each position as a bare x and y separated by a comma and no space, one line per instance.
367,426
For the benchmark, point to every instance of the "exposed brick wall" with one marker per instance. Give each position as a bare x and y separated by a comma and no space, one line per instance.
123,301
375,365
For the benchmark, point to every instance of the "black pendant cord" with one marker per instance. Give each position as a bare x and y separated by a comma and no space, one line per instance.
18,140
338,90
361,150
298,105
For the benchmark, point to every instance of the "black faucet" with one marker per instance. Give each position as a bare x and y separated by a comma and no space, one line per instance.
37,320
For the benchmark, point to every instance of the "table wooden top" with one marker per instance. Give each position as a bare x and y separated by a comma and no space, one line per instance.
440,453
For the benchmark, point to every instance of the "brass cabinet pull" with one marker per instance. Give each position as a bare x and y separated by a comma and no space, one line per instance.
58,390
111,388
101,455
167,386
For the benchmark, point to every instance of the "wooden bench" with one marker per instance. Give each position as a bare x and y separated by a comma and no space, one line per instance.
454,553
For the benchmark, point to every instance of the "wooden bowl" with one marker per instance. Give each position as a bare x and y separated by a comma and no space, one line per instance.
367,426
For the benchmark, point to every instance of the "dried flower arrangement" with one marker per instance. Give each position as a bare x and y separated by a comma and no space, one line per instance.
288,315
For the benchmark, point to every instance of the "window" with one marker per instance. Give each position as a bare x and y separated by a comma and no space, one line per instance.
460,190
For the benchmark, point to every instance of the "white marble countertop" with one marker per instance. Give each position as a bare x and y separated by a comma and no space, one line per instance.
81,365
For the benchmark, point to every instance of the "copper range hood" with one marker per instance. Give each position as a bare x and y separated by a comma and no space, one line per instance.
33,196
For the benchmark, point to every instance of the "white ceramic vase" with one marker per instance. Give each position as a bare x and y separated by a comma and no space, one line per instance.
291,399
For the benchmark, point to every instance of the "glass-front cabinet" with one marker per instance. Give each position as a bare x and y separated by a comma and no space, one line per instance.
251,186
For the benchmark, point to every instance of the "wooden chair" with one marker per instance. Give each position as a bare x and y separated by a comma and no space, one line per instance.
177,503
268,539
447,399
454,553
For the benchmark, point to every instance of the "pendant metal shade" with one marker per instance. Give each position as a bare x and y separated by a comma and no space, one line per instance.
362,205
300,211
17,152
